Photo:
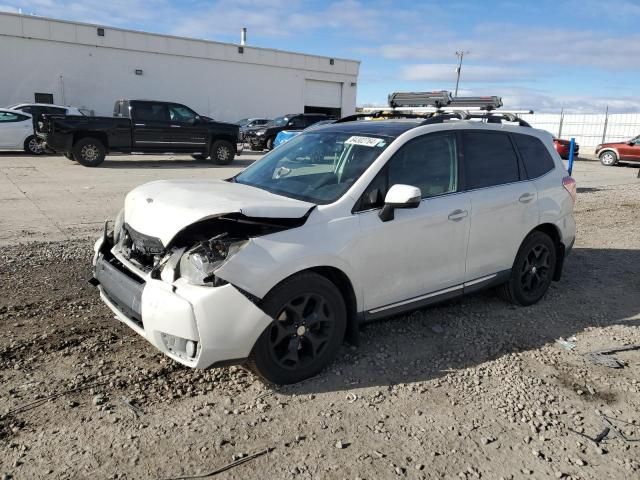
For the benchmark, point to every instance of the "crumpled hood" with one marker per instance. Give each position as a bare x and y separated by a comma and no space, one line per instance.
163,208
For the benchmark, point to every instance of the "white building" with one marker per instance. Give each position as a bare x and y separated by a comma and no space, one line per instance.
91,66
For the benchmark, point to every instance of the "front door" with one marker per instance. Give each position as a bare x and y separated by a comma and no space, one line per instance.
187,132
504,203
150,123
421,253
631,151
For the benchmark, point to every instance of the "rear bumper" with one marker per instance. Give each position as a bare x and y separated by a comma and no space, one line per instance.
221,323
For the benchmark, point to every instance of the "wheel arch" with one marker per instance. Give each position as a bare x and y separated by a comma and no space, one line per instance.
342,281
554,233
609,149
88,134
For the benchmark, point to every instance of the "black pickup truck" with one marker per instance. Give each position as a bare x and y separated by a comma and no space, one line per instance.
140,126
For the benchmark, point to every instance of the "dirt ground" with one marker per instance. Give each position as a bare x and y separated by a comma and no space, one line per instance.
474,388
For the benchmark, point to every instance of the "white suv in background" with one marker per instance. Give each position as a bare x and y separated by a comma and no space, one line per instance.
345,223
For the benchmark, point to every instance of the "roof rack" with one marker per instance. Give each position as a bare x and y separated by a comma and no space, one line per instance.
420,99
441,107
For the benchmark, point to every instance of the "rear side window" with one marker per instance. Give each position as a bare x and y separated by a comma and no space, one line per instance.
489,159
535,156
54,110
147,111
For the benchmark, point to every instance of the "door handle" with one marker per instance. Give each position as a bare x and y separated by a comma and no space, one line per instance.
176,126
526,197
457,215
140,125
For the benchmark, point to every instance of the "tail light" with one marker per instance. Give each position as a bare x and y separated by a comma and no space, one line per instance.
569,184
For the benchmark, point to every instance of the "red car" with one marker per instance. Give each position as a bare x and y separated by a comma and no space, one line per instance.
610,153
562,147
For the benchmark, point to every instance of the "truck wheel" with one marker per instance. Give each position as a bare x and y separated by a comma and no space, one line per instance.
222,152
33,146
89,152
69,156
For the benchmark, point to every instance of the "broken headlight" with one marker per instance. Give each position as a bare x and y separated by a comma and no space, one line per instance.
198,263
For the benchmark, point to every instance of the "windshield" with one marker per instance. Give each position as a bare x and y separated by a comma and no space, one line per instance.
317,167
242,122
278,122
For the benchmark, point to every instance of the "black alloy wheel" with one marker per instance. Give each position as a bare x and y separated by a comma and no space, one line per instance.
532,271
309,322
301,331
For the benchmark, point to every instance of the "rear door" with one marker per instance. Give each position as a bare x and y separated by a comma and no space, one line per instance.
187,132
14,129
504,207
150,124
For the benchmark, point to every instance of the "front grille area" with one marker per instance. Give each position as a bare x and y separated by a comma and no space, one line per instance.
144,249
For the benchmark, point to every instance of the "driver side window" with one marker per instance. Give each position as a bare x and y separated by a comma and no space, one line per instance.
429,162
180,113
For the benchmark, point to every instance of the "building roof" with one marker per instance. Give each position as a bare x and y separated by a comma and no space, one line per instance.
33,27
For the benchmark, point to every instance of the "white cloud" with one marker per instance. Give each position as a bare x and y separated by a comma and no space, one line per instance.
440,72
508,44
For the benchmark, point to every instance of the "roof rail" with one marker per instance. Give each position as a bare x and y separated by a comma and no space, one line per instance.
487,117
378,114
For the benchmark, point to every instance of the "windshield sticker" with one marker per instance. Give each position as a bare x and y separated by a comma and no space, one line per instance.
364,141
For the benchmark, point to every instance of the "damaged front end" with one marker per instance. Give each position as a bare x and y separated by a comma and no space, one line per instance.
171,294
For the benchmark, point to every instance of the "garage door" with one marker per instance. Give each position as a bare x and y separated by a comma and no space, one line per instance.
322,94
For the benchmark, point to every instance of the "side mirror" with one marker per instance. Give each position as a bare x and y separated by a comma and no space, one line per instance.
399,196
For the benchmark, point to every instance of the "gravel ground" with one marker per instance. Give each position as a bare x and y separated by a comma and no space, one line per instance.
474,388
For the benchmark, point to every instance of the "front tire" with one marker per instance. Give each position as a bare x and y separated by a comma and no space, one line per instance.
532,270
33,146
310,319
89,152
608,158
222,152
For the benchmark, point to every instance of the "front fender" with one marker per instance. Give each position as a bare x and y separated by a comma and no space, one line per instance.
265,261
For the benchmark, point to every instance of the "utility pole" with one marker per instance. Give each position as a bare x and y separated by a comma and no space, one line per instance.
460,54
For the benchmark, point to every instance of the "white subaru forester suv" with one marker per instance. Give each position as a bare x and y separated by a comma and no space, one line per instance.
346,223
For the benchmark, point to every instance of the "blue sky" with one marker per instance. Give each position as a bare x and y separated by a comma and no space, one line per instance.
578,54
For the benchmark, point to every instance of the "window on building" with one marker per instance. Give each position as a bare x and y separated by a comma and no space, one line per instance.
43,97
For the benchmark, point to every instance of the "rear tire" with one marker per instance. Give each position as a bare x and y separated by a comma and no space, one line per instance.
33,146
310,319
89,152
222,152
532,270
608,158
